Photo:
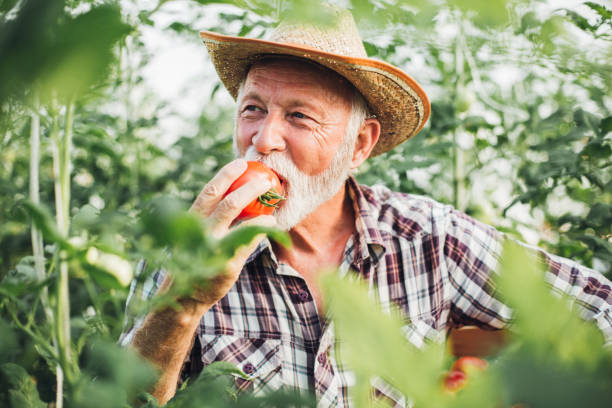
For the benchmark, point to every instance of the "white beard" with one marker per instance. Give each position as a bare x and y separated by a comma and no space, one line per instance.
304,193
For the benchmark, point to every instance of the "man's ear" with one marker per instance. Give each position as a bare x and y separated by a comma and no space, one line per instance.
366,140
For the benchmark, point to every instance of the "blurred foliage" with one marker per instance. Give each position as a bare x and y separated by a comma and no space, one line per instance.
554,357
520,125
214,387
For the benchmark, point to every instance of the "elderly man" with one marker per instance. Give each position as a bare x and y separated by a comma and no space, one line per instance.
313,107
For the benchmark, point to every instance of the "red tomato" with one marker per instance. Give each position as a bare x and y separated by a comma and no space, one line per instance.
457,377
264,204
454,381
469,363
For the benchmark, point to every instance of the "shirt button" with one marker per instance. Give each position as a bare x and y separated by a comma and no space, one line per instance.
321,358
303,295
248,368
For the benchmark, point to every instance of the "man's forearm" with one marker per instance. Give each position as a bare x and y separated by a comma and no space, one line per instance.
164,339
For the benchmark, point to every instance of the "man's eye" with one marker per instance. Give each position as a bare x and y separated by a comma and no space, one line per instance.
299,115
251,108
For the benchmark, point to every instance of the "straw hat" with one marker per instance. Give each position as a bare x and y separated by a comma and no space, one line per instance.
398,102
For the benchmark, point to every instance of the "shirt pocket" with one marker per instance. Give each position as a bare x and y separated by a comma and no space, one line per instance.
259,359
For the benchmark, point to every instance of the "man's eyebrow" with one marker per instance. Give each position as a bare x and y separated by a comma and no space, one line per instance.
251,95
312,107
290,103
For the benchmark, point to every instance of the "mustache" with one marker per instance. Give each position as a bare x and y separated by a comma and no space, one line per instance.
278,161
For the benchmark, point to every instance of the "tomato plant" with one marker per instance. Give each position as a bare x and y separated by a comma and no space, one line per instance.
266,203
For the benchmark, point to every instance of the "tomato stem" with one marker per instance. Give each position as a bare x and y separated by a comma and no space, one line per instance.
270,195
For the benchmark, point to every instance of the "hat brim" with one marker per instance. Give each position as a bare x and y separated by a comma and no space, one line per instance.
399,103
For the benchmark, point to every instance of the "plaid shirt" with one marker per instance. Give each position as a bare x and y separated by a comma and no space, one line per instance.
431,261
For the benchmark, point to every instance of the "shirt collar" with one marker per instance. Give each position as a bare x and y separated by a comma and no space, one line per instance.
264,247
369,240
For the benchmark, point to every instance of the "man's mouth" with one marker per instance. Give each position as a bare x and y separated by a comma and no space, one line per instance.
283,182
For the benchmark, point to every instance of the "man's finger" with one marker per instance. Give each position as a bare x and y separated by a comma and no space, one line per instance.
212,192
232,205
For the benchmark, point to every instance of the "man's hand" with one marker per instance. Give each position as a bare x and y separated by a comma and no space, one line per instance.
166,335
221,212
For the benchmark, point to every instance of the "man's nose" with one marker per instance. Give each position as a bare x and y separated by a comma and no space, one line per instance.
269,136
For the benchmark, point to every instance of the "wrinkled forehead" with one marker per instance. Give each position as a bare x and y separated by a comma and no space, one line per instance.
303,68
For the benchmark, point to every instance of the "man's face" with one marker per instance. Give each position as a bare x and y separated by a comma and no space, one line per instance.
293,117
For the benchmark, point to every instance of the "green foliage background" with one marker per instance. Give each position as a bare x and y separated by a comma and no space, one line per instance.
519,137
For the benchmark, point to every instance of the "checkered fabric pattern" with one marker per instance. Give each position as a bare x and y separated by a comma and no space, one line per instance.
434,263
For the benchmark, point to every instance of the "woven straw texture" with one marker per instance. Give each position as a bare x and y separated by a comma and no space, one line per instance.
395,98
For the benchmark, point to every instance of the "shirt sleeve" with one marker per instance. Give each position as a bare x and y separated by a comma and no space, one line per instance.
471,255
142,289
586,288
472,251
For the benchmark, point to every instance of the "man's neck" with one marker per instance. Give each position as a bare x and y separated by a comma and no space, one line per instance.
320,238
331,219
319,241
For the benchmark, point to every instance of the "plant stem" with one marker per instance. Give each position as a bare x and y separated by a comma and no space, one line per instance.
40,340
458,176
37,243
54,136
37,238
61,164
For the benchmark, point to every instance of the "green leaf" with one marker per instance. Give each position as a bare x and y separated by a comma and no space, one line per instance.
7,5
212,387
242,236
42,218
83,51
485,13
601,247
606,125
61,53
600,214
112,375
9,347
215,89
23,279
586,119
532,381
222,368
529,21
102,277
367,335
600,9
21,387
580,21
86,217
170,224
544,321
